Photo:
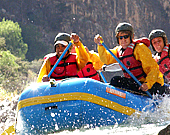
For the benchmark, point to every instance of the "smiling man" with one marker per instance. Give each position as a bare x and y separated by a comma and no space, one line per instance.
137,58
69,65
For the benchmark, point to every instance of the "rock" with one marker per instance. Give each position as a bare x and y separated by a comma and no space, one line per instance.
8,112
165,131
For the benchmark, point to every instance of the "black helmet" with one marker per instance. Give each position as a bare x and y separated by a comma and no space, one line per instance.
124,27
62,38
157,33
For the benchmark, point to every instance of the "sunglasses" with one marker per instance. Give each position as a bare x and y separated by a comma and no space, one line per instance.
60,45
125,37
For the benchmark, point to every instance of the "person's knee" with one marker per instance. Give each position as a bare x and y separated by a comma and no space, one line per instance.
115,80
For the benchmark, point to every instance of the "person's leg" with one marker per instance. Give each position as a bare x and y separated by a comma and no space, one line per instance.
130,84
123,82
158,89
126,83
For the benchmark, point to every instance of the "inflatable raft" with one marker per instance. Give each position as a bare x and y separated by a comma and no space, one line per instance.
72,103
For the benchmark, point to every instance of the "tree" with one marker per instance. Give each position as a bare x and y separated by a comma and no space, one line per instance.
14,42
2,44
16,74
8,69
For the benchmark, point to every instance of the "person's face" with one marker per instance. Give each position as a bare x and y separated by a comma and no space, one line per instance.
59,49
158,44
124,39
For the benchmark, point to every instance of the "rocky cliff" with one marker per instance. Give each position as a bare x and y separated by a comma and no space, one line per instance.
89,17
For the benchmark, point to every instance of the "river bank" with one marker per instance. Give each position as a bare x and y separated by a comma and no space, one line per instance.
8,106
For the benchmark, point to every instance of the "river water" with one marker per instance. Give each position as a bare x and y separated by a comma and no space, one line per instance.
148,129
145,123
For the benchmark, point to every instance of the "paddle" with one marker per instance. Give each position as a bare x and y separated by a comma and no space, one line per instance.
11,129
112,67
60,58
109,68
124,67
101,74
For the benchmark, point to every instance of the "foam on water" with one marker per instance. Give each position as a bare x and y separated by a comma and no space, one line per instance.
141,123
147,129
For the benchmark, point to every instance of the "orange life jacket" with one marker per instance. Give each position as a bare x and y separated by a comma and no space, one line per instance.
164,62
128,59
66,68
89,72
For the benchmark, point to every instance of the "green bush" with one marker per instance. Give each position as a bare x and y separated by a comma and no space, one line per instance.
16,74
2,44
12,33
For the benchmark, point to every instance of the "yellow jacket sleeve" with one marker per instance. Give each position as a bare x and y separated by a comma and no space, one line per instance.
144,55
149,65
82,56
94,58
82,59
45,69
105,56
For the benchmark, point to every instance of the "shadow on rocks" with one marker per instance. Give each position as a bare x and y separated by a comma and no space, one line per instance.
165,131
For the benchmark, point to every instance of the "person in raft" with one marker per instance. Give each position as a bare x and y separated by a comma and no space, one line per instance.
159,43
137,57
70,63
93,65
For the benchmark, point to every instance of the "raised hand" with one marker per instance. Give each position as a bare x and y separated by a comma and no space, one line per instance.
97,39
74,37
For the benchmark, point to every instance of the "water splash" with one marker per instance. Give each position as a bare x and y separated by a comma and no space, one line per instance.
140,123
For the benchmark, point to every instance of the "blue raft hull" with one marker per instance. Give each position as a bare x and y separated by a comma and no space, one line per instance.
70,104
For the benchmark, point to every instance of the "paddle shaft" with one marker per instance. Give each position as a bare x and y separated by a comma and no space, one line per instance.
60,58
125,68
112,68
101,74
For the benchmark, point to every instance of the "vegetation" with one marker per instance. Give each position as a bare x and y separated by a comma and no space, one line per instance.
15,72
7,95
2,44
29,27
14,41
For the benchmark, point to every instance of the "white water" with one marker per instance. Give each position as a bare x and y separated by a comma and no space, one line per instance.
148,129
147,123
